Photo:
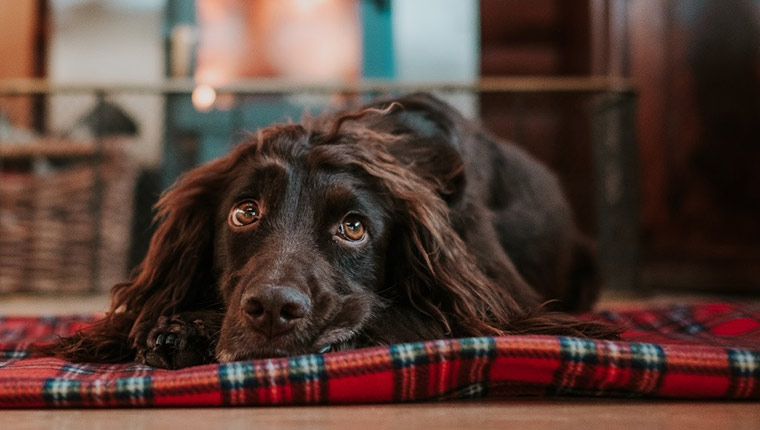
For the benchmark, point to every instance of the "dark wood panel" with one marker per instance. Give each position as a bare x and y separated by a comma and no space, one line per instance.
542,38
518,21
697,64
521,59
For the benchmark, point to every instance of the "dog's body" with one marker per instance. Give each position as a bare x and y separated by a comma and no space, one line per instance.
400,221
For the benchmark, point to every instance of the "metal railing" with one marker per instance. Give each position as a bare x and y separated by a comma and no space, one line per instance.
608,107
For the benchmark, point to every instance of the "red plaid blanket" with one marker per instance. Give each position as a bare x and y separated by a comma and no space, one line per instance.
705,351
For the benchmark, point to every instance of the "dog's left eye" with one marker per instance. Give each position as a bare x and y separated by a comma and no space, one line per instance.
245,213
352,228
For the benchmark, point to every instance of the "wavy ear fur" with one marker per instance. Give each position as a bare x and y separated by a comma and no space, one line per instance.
439,277
429,265
417,157
175,276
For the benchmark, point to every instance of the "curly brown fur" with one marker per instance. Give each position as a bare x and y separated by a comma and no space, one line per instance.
462,235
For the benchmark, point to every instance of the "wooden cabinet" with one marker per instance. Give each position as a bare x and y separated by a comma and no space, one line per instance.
696,64
543,38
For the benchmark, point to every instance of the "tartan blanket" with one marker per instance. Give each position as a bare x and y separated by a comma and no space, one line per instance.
709,351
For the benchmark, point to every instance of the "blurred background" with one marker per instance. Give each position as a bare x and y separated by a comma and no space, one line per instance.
648,110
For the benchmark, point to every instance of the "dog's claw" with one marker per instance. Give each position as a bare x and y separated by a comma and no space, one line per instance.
171,339
176,343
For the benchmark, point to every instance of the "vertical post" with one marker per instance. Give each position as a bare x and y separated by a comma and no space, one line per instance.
517,116
176,12
237,120
617,191
96,204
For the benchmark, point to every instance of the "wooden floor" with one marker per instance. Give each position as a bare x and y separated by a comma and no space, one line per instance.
511,414
537,414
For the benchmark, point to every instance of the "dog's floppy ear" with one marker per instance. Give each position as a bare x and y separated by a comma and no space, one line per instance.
429,267
435,274
175,275
432,268
428,135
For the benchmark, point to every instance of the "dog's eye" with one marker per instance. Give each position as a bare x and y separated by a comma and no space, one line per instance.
352,228
245,213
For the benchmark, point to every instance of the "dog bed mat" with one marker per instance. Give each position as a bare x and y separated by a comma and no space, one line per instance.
707,351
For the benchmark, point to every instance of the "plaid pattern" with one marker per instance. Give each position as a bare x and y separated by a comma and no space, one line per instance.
706,351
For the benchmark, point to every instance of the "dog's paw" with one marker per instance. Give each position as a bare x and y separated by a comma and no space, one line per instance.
175,343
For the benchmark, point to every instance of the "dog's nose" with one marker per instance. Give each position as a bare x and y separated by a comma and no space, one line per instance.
275,309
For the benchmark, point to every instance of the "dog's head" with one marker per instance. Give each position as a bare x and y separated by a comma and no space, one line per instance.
310,237
300,240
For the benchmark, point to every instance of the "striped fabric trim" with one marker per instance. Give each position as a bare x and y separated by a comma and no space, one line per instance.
492,367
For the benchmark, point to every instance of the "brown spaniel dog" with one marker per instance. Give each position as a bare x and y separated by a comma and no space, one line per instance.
399,221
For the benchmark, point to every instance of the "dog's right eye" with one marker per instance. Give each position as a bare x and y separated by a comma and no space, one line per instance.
352,229
245,213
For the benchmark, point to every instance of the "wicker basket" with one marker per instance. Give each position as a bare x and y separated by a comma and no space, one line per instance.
57,232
